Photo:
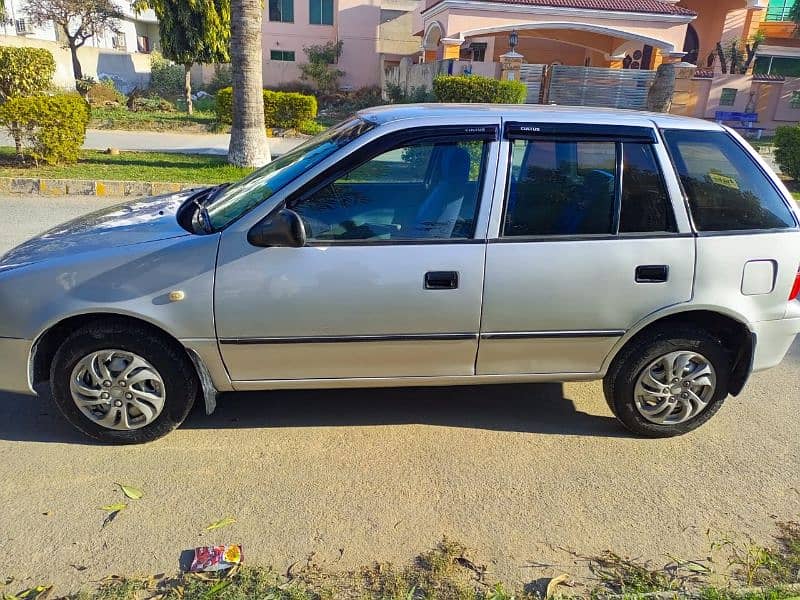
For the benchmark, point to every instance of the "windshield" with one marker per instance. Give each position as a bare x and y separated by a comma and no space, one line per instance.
243,196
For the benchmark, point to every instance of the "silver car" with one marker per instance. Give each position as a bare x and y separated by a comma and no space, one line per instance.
423,245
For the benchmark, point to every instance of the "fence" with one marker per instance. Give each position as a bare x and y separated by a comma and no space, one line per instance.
595,86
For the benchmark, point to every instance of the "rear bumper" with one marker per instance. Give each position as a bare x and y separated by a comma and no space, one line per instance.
773,340
14,357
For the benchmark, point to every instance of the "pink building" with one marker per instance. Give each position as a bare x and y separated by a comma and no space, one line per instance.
373,33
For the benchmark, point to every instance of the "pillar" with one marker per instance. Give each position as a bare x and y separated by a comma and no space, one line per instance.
755,17
451,48
684,97
511,64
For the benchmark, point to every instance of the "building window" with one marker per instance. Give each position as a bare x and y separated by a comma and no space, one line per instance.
778,10
119,42
320,12
22,26
478,51
143,44
282,55
281,10
777,65
728,97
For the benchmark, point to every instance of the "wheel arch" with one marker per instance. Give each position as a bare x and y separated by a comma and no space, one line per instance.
729,327
49,341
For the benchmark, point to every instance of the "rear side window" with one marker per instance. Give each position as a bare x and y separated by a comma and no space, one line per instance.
646,206
726,189
574,188
561,188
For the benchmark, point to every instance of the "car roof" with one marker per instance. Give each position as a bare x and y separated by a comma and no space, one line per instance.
473,113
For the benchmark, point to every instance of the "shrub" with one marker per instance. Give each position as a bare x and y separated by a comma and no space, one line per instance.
151,103
397,95
319,69
281,109
52,127
104,92
166,79
221,79
310,127
25,71
787,150
474,88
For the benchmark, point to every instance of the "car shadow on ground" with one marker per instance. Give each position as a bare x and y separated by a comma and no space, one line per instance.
530,408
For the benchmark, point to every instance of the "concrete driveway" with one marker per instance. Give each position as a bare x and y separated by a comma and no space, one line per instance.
522,473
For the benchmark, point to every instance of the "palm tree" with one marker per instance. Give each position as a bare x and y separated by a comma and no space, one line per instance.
248,146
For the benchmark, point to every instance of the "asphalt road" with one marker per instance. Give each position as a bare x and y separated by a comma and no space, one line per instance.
522,473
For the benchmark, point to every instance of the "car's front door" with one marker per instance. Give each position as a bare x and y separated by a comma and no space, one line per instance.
389,283
589,243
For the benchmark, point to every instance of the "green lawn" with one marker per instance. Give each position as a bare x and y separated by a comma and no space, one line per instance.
122,118
130,166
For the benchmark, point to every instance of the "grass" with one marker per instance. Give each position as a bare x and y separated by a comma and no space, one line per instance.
130,166
122,118
447,572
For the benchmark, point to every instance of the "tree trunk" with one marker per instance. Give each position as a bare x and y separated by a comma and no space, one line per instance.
248,146
659,98
723,62
187,86
77,72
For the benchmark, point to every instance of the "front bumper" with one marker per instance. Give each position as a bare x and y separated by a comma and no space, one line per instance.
14,357
773,340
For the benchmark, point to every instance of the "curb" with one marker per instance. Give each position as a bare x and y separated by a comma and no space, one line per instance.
87,187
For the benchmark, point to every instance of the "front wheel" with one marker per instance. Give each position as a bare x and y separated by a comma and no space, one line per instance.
122,384
669,383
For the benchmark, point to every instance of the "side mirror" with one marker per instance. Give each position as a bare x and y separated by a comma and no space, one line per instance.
282,228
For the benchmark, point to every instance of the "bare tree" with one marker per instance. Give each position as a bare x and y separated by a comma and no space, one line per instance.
78,20
248,146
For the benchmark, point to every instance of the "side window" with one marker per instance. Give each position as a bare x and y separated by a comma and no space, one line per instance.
646,205
726,190
418,191
561,188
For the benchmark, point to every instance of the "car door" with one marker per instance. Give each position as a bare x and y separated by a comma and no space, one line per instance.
389,282
588,241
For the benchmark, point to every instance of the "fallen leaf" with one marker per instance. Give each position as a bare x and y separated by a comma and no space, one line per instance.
109,517
116,507
554,583
131,492
221,523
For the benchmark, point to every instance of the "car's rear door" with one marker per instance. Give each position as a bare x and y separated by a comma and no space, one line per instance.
588,242
390,281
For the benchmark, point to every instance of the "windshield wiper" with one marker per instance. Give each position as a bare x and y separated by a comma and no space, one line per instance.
201,200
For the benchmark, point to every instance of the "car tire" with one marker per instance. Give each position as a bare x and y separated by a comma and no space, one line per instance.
162,383
646,361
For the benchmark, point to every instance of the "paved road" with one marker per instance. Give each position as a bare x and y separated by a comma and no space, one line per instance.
517,471
157,141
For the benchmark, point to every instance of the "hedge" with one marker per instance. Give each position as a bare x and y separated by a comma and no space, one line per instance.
51,128
286,110
787,150
25,71
474,88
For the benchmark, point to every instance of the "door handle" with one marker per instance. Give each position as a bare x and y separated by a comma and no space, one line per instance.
441,280
652,273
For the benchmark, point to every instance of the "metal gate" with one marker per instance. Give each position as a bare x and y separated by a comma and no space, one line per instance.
532,76
596,86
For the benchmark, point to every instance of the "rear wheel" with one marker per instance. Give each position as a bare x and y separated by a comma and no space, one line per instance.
668,383
122,384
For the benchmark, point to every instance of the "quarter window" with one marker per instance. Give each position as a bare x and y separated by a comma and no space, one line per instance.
645,203
726,189
561,188
423,191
